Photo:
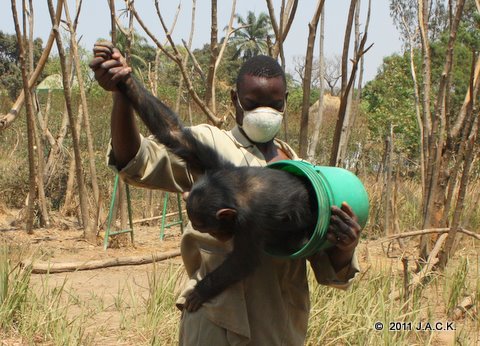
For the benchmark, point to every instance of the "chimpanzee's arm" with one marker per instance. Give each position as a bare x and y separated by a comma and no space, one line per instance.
167,128
241,262
160,119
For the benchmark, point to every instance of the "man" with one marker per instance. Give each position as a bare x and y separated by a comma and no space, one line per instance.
271,306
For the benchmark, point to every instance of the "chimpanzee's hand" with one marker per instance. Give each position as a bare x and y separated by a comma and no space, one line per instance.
194,301
344,230
108,65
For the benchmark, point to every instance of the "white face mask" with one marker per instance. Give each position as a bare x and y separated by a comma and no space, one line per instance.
261,124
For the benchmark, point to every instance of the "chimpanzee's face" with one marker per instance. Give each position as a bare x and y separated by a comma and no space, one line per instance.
203,216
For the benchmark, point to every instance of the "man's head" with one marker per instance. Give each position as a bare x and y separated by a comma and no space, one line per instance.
260,83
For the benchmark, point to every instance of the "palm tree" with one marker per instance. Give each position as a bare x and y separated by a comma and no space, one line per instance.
251,39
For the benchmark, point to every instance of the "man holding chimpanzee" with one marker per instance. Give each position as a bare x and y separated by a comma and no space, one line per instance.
270,306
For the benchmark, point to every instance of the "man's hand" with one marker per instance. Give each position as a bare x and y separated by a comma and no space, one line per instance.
344,234
344,230
108,65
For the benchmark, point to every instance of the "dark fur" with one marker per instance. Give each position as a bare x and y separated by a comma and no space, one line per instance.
274,208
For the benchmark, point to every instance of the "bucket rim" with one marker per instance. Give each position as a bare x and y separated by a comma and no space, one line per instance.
317,240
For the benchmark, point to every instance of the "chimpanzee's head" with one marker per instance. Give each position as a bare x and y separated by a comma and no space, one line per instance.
211,207
260,83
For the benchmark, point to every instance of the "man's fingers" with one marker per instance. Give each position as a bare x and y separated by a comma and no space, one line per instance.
348,217
104,43
116,54
342,228
108,64
96,62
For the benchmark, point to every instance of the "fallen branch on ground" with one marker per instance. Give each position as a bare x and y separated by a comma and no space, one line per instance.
462,308
428,231
43,267
153,218
418,278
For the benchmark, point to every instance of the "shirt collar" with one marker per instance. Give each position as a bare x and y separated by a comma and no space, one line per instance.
242,141
239,138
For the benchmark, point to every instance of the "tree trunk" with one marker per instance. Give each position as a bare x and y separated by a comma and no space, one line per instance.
213,58
113,30
56,148
287,14
437,176
42,202
307,78
388,184
185,59
351,106
335,159
346,45
321,75
89,233
30,124
83,98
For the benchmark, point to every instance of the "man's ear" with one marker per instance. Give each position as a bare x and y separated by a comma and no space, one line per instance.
233,97
226,214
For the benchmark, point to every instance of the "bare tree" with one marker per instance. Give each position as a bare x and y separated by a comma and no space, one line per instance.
447,135
178,59
341,134
30,123
89,233
436,134
287,14
83,98
312,29
351,109
28,13
405,19
213,56
321,74
7,119
333,73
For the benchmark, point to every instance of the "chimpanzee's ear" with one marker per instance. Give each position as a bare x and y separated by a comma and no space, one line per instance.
227,214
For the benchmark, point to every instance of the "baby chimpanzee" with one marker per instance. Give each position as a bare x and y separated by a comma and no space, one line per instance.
257,207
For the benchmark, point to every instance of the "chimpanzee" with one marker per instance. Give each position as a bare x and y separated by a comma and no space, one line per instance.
257,207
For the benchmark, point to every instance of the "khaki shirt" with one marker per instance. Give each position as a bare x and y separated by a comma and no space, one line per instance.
270,306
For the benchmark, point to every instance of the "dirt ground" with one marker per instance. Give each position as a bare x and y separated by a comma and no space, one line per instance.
64,243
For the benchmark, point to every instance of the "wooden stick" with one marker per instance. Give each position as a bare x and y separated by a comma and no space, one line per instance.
47,267
418,278
428,231
461,309
157,217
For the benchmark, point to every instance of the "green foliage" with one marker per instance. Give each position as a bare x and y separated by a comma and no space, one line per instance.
389,99
468,41
10,73
295,97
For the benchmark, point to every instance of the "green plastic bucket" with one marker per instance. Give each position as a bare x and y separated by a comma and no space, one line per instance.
332,186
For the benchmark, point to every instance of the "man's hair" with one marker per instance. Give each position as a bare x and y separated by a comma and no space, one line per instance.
260,66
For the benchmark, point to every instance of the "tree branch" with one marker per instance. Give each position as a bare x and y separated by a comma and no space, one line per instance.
7,119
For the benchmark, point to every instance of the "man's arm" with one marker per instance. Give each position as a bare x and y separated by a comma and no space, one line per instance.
110,69
336,266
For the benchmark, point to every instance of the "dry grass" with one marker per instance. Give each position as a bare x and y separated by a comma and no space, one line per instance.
56,314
